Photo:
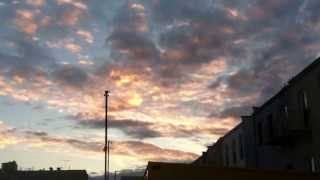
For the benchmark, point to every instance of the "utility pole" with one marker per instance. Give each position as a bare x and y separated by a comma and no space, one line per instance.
106,146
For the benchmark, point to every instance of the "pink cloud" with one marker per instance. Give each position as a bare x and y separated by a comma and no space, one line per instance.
86,35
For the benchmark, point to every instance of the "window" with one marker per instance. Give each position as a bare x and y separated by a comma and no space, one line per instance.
286,111
312,164
270,126
319,79
226,155
284,116
304,106
234,151
318,164
241,152
259,133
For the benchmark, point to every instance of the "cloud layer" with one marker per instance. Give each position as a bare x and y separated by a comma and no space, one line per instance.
176,69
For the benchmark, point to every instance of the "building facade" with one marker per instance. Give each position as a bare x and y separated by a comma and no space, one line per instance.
283,133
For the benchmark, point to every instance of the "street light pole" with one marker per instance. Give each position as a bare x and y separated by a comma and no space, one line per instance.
106,135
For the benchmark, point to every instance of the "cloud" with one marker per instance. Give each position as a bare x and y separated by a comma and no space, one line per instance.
67,44
75,3
25,21
88,37
29,60
141,151
135,46
142,129
150,152
133,128
131,17
71,17
6,138
36,3
180,69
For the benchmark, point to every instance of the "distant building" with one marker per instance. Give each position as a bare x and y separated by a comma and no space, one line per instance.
131,177
283,133
9,172
52,175
176,171
9,166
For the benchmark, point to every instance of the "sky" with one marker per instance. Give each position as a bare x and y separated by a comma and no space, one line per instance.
180,74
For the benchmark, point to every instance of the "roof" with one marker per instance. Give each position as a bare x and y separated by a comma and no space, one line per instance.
238,126
306,70
54,172
293,80
59,173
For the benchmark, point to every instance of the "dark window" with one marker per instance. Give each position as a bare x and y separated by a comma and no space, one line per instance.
286,112
259,133
304,106
227,156
284,115
270,126
234,151
317,164
312,164
241,147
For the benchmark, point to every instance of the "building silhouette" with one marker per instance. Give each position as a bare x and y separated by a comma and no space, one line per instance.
131,178
282,134
179,171
10,171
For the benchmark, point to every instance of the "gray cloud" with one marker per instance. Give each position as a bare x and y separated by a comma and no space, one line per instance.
139,150
71,76
142,130
133,128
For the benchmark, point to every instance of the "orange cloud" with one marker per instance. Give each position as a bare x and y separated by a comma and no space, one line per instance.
73,47
71,17
6,137
75,3
36,3
86,35
66,44
25,21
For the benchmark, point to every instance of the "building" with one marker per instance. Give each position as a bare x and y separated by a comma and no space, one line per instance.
177,171
9,166
283,133
9,172
131,177
287,127
228,151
